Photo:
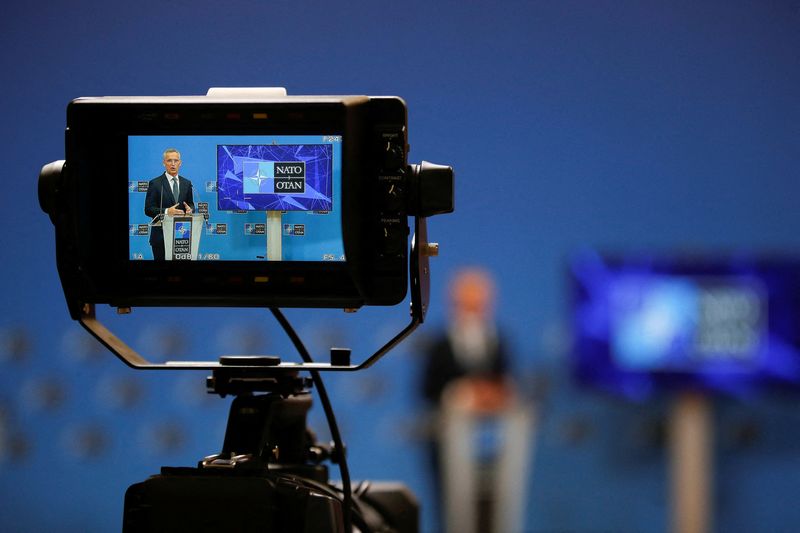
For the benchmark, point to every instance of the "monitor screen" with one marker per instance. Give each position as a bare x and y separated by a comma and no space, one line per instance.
644,324
236,197
275,177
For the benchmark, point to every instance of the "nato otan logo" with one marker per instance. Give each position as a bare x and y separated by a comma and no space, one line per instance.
137,186
255,229
138,229
274,177
211,186
295,230
217,229
183,230
290,177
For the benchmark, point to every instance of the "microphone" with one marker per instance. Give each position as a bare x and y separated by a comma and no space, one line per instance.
196,200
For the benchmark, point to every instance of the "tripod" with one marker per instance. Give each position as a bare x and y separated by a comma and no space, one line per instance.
269,475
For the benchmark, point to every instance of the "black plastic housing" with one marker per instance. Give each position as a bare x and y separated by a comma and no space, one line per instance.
88,204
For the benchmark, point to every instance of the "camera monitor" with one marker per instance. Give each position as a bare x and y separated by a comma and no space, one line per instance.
291,201
643,325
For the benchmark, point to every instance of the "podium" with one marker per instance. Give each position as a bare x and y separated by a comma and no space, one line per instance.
182,236
468,482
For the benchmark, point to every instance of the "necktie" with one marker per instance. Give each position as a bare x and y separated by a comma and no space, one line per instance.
175,189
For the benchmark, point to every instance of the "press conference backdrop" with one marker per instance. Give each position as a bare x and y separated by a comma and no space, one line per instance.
623,125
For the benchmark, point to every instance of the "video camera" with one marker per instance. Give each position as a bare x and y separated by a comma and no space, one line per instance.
287,201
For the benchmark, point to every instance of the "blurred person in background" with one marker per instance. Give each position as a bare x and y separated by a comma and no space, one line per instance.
480,447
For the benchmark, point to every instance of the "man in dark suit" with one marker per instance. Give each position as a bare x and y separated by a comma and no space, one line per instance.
465,380
469,360
169,194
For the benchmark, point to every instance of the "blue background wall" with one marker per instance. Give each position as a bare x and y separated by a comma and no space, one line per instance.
626,125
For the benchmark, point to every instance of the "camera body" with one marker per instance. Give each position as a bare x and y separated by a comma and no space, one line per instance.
364,212
188,499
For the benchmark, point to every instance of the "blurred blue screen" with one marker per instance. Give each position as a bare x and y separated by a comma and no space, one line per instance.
644,324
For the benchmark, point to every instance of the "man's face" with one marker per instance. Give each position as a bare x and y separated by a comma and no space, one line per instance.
172,162
472,294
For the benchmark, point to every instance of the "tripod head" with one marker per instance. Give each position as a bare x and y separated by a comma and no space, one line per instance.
269,475
268,431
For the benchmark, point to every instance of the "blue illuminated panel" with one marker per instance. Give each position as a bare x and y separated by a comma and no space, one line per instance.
275,177
643,325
